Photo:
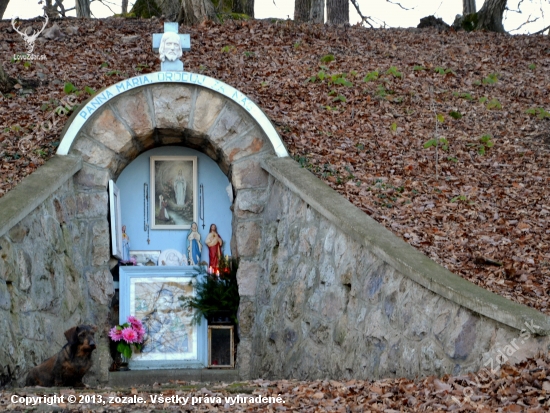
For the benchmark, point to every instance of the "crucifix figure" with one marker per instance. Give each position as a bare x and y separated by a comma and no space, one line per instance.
170,45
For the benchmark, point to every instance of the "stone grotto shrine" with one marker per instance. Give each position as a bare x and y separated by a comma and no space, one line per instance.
147,164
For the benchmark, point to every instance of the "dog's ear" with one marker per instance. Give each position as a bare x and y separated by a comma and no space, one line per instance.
93,328
71,334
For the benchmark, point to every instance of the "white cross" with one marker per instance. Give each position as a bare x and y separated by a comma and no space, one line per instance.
185,42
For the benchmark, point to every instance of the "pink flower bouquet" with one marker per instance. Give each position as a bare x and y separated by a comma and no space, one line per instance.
128,334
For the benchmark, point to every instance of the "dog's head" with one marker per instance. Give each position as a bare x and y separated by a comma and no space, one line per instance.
82,336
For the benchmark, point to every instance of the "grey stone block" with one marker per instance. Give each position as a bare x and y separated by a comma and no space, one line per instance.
232,123
172,105
110,131
133,109
207,108
248,236
100,285
247,277
94,152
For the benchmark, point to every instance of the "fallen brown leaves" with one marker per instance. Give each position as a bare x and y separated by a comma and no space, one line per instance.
363,138
522,388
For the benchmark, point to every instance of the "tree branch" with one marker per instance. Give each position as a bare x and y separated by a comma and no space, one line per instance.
62,11
541,31
105,4
518,10
400,5
365,19
523,24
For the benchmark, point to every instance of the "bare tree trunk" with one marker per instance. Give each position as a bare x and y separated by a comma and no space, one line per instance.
337,11
50,9
83,8
3,6
237,6
244,7
317,14
248,7
302,10
170,8
468,7
124,7
490,16
195,11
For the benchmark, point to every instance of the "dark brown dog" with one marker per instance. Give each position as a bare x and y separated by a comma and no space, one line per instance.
68,367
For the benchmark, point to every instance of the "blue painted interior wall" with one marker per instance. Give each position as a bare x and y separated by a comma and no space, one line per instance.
216,203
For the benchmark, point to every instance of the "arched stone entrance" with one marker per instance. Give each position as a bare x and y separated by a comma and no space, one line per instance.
162,109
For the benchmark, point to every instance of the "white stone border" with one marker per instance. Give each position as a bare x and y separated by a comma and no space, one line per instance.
171,77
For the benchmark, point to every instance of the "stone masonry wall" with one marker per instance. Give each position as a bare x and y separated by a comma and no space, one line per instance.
54,275
326,306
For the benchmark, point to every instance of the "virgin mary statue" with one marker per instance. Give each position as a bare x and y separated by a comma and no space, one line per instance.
194,247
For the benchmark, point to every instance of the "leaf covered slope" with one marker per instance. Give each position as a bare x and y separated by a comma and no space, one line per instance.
507,389
364,110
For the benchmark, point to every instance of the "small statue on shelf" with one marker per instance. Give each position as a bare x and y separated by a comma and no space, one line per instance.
194,246
214,243
125,245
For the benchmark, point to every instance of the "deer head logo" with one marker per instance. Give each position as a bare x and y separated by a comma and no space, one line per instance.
29,39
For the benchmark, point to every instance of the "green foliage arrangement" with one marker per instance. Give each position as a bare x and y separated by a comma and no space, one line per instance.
465,95
442,142
371,76
394,72
228,48
382,92
491,79
540,113
89,90
69,88
455,114
486,142
340,79
494,104
215,294
443,71
327,58
459,198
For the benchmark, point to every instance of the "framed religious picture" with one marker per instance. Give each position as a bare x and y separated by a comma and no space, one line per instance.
144,257
154,295
116,224
173,192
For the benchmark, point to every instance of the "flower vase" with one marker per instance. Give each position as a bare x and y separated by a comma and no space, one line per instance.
123,363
